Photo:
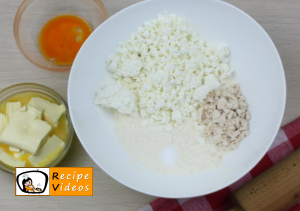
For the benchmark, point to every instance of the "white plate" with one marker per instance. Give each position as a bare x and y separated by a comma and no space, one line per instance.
258,69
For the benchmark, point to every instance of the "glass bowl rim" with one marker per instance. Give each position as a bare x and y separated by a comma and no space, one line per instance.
17,19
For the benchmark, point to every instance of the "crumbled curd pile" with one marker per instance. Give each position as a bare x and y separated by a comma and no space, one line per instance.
164,71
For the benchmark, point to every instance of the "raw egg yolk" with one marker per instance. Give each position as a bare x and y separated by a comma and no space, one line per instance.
61,38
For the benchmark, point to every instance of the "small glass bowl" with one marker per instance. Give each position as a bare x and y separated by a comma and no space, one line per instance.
31,87
32,15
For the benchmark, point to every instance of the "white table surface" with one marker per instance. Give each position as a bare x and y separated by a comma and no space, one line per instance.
281,19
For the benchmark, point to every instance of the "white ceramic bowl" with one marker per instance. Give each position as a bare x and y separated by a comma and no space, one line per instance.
258,70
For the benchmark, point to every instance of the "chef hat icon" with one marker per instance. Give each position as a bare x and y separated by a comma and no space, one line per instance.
25,176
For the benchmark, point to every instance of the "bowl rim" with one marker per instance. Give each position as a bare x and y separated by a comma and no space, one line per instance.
24,87
17,19
233,180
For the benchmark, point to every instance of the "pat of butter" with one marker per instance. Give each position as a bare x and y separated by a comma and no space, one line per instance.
3,122
14,149
19,154
9,160
11,107
35,112
23,109
48,152
25,132
52,112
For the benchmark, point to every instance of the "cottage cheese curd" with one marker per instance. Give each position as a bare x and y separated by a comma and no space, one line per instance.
164,71
117,97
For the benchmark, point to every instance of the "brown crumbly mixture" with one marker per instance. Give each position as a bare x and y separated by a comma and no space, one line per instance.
226,117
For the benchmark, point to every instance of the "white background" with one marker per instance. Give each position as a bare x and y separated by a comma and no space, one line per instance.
38,180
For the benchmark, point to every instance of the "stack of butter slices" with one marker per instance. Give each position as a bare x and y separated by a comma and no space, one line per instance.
26,129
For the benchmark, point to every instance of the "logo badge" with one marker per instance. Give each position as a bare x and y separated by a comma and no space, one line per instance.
54,181
32,181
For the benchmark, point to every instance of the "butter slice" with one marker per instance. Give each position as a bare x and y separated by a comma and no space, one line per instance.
19,154
3,122
52,112
35,112
23,109
25,133
11,107
14,149
48,152
9,160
